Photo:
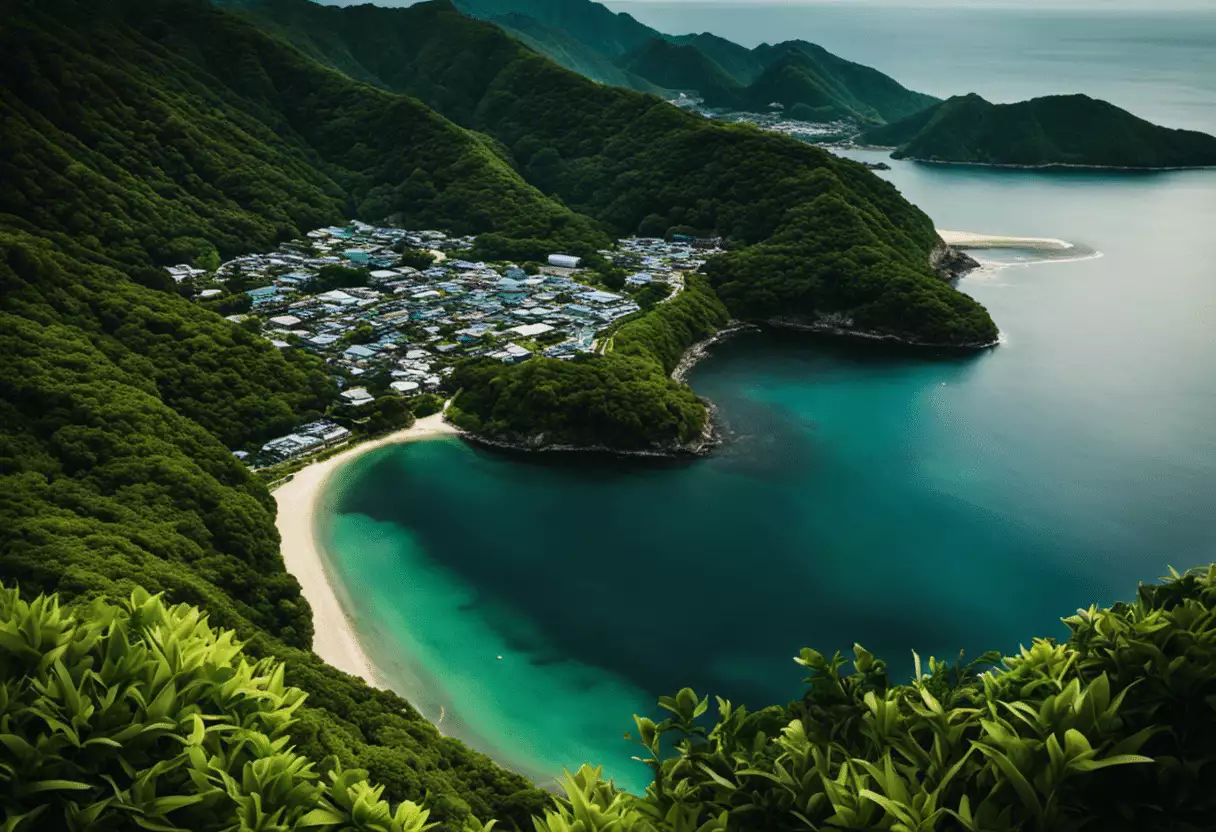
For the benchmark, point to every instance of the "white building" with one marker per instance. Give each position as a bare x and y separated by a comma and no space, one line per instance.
531,330
358,396
564,261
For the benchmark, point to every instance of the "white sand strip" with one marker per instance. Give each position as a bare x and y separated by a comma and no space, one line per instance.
968,239
335,639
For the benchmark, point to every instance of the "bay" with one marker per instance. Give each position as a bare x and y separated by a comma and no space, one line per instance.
905,500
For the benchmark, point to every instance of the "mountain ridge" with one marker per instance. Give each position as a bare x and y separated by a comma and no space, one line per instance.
1063,130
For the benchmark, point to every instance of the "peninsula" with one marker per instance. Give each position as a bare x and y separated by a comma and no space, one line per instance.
1054,131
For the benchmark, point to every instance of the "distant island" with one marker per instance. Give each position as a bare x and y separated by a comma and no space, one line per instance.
1058,130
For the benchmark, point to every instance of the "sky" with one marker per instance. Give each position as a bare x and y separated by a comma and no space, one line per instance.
1026,5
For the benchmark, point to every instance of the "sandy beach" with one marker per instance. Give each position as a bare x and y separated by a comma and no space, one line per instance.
968,239
335,640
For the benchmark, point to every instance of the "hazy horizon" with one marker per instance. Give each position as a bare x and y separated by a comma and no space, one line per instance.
1023,5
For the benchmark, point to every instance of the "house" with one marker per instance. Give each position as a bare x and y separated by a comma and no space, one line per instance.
359,351
263,293
640,279
286,321
358,396
531,330
306,439
600,297
210,293
329,432
290,447
564,261
405,387
512,354
183,271
339,297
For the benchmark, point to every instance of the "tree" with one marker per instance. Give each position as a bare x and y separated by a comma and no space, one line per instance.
390,413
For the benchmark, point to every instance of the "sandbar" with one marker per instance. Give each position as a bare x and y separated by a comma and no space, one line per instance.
969,239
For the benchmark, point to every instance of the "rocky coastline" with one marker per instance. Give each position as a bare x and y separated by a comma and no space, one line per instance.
949,263
835,323
706,442
699,350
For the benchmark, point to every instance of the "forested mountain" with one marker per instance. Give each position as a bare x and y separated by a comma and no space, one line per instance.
599,29
675,66
562,48
741,63
810,83
614,48
1055,130
625,159
798,72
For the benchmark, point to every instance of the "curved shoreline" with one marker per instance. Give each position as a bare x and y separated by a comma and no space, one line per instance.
335,637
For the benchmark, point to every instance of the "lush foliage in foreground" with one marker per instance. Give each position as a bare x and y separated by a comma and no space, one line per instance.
1113,729
142,716
1054,130
139,715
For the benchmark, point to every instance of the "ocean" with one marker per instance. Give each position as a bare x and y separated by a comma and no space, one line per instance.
907,501
1158,63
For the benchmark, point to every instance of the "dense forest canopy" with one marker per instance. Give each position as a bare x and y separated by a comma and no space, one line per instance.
623,400
1055,130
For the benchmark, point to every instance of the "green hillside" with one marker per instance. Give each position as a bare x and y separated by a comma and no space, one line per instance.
144,133
564,50
614,48
1056,130
600,30
858,88
743,64
676,67
625,158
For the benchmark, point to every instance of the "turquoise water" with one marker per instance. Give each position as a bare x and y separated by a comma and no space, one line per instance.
908,501
1158,61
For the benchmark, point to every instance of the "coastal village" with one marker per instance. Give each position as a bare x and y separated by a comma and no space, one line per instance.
418,308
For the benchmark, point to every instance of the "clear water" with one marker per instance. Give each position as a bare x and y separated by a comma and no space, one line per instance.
907,501
1158,62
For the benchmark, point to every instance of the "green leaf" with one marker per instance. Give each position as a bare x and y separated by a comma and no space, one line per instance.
1116,760
322,817
1016,779
717,778
54,786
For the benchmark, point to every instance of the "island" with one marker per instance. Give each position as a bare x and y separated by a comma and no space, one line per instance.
1053,131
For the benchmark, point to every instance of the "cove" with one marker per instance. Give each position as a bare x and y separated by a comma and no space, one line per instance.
905,500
